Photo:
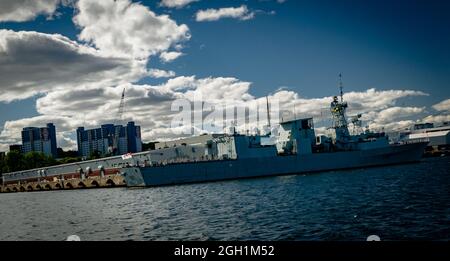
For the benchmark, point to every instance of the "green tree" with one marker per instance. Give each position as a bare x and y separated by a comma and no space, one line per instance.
38,160
3,168
66,154
95,155
69,160
49,161
34,160
148,146
14,161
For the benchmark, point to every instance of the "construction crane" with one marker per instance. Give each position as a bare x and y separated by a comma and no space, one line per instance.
117,120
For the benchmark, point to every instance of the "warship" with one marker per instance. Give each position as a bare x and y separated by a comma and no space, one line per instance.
296,150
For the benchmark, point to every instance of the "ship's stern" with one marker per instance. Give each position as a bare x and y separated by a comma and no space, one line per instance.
413,151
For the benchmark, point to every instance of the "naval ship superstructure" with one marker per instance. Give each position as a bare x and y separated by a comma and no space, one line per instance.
297,150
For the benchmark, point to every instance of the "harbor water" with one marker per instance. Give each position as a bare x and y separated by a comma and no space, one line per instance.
403,202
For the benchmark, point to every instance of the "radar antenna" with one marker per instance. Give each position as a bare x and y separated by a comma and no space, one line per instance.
356,122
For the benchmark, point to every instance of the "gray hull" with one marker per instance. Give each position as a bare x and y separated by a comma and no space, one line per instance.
271,166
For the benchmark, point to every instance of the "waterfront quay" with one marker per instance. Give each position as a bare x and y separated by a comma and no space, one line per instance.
108,181
97,173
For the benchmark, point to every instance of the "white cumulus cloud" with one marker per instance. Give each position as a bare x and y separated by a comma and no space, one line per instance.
437,119
157,73
176,3
241,13
169,56
395,113
25,10
119,38
442,106
125,29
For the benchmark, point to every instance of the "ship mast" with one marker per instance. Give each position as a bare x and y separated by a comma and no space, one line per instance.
341,87
117,120
338,109
268,112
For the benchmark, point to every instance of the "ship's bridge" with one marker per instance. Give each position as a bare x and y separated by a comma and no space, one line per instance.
296,136
243,146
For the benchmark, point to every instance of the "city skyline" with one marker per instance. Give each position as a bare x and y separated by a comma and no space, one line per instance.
100,139
63,63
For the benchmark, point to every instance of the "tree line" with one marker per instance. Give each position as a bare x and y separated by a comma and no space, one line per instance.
17,161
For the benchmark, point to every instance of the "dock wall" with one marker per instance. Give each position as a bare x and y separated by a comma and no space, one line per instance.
115,180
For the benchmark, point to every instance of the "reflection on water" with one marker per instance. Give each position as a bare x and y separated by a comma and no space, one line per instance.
406,202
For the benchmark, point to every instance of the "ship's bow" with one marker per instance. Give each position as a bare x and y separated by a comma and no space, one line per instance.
133,177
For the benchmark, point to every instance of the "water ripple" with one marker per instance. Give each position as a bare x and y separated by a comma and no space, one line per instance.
407,202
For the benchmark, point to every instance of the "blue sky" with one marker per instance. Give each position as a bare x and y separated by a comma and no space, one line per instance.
300,46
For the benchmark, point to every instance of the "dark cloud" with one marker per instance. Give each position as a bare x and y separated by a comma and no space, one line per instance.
32,62
24,10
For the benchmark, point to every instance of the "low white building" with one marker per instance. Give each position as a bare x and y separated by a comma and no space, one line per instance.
439,137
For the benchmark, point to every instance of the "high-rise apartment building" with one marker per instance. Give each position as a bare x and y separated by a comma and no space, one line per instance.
102,139
42,139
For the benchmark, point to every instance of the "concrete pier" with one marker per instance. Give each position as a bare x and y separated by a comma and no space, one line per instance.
115,180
